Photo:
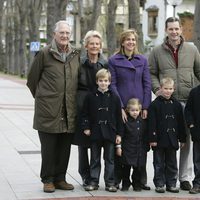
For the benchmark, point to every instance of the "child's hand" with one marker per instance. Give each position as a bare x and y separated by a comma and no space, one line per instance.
118,139
119,151
87,132
153,144
182,145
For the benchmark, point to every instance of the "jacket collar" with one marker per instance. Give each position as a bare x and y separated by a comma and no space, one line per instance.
100,60
166,100
166,40
54,50
121,56
139,118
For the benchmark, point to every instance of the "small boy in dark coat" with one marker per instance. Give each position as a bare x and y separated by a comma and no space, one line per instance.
102,122
134,146
166,129
192,116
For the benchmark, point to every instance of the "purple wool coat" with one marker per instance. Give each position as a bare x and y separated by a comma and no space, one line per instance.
130,79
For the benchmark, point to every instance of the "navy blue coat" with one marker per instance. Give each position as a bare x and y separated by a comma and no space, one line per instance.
134,142
166,123
99,107
192,113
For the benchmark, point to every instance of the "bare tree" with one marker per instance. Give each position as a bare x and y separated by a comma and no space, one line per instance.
22,6
134,20
33,19
89,15
9,47
56,10
110,27
16,39
196,25
2,57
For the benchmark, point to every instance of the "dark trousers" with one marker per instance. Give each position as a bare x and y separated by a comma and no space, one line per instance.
136,176
165,167
55,152
95,163
143,175
118,169
119,172
83,165
196,161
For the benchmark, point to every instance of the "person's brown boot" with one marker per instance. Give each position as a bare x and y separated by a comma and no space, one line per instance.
63,185
49,187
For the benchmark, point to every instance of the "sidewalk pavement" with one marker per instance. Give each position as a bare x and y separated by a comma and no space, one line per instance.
20,155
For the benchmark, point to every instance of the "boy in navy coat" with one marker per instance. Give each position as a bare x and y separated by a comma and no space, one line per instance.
192,116
102,122
166,130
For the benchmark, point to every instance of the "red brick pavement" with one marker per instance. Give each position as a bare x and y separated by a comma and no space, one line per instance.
125,198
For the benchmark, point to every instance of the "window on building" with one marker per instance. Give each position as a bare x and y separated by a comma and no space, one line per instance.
152,21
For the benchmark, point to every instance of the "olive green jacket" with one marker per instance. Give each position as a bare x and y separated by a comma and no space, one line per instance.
53,81
162,64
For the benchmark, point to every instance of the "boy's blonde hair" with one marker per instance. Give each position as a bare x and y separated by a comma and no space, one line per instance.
166,80
103,73
133,102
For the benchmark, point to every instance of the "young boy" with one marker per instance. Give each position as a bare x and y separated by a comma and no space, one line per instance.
134,146
166,129
102,121
192,116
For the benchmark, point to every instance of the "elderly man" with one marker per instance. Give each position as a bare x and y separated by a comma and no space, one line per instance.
52,81
179,60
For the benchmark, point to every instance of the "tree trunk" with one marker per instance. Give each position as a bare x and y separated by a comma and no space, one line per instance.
196,25
2,53
22,6
134,21
33,19
16,40
9,56
110,28
89,15
56,10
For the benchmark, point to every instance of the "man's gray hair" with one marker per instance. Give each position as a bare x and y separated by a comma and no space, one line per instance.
57,24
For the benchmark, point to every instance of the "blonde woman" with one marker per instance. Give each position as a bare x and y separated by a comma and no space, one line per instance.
91,62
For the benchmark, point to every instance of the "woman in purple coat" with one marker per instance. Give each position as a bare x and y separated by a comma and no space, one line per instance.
131,79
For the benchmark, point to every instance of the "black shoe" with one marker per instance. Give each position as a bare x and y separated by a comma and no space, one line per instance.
111,188
145,187
185,185
91,187
160,189
137,188
85,183
117,186
125,188
172,189
195,190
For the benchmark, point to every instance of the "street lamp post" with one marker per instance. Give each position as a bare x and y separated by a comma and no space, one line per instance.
174,3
